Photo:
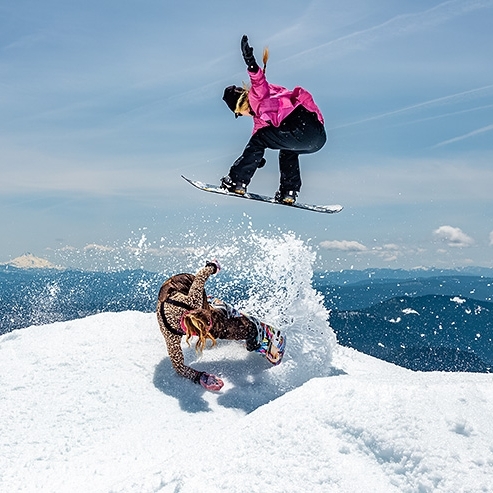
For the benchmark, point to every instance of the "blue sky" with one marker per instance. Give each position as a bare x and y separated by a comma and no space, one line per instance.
103,105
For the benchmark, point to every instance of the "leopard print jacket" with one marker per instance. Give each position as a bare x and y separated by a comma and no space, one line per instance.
169,311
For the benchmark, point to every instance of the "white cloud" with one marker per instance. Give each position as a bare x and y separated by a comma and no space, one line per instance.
100,248
491,238
389,252
454,237
391,246
344,245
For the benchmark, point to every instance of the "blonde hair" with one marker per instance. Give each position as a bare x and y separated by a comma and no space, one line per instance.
265,57
243,104
198,323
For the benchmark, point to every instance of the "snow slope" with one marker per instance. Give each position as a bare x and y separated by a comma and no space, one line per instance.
93,405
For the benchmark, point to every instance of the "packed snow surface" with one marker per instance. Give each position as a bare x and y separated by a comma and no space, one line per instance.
94,405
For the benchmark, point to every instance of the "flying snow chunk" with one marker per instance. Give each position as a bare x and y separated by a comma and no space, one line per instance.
458,300
409,311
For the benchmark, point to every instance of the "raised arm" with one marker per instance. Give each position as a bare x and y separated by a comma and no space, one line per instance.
195,294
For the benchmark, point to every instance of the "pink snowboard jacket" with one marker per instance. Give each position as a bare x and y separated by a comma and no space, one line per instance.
272,104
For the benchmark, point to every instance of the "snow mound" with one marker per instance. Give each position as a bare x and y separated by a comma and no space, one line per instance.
94,405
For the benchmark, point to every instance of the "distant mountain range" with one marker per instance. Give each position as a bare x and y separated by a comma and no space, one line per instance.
430,332
351,290
424,319
351,276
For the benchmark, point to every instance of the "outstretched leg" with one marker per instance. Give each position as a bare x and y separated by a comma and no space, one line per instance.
245,166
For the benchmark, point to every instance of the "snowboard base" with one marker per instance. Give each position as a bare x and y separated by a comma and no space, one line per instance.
206,187
273,344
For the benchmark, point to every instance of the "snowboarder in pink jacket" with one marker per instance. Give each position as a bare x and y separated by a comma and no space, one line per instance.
283,119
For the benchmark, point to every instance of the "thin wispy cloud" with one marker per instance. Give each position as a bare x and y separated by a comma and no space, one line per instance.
474,133
443,115
399,25
451,98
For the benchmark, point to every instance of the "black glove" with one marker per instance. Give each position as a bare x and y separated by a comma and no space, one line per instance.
247,52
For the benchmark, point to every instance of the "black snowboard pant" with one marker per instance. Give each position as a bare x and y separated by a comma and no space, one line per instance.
299,133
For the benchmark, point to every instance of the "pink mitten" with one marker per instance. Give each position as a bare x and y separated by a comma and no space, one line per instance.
210,382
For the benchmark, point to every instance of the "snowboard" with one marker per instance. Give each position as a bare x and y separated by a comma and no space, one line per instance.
327,209
273,344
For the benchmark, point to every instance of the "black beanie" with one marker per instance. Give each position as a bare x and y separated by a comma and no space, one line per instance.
231,96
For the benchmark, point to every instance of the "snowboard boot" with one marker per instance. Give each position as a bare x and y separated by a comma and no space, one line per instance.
256,336
253,341
287,197
228,184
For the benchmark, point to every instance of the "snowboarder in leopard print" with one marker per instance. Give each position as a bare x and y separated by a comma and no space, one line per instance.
183,310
